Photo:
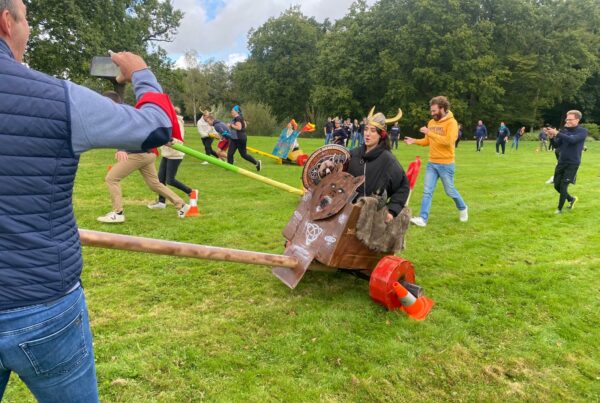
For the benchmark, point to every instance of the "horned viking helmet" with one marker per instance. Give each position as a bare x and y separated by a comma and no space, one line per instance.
379,121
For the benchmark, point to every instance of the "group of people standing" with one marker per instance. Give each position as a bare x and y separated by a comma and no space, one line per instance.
351,134
502,136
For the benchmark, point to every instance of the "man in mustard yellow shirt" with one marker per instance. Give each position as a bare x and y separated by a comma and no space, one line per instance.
440,135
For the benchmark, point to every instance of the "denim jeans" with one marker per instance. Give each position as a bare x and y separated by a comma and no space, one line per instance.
515,142
445,172
328,137
479,143
50,347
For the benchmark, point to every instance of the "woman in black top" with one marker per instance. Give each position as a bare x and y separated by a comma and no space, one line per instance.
238,138
383,173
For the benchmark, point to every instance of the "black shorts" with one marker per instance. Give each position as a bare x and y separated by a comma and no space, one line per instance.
565,173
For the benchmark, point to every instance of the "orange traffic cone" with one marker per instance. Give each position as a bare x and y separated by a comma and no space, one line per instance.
193,211
416,308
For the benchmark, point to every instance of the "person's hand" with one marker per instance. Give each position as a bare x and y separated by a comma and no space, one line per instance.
551,132
121,156
170,143
389,218
129,63
424,130
409,140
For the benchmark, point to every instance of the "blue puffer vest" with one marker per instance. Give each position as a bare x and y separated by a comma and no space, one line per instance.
40,251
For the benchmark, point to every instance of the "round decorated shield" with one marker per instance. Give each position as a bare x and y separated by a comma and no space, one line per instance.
324,160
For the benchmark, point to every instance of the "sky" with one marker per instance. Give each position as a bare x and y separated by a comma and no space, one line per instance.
218,29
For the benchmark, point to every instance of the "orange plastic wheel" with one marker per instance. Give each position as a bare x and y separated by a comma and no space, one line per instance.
389,270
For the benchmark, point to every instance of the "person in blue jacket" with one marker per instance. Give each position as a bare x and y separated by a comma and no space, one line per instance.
502,138
46,124
481,133
517,137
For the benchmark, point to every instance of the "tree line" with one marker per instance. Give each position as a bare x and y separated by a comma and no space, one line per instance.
523,62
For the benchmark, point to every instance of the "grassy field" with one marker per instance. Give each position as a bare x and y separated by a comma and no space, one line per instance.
517,290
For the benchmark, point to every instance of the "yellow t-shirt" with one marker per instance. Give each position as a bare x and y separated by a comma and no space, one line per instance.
440,139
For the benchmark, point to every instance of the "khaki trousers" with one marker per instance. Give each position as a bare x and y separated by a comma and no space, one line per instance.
143,162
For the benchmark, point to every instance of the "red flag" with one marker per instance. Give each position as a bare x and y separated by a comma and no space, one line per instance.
413,171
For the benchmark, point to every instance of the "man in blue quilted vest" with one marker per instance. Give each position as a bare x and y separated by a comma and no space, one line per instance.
45,124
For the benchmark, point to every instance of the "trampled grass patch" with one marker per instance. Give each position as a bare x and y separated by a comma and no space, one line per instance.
517,293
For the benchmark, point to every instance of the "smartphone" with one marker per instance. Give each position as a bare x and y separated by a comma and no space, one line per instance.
103,66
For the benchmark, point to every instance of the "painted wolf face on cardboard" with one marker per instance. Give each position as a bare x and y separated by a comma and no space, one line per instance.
333,193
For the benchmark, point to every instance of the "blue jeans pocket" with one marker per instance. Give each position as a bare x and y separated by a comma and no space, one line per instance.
60,352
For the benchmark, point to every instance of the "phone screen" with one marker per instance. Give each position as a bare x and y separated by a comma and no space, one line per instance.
103,66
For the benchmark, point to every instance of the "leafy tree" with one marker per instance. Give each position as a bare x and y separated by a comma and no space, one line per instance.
348,71
278,71
195,90
510,60
66,34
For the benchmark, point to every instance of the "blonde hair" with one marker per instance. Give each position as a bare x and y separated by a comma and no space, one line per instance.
575,112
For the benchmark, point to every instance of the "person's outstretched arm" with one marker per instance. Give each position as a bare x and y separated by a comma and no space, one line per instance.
98,122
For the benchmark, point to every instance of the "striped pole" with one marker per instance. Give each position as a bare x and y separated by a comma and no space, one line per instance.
237,170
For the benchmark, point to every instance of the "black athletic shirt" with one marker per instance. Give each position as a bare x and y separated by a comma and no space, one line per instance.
241,134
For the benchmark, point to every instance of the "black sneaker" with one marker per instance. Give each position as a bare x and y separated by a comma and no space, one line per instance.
572,203
258,165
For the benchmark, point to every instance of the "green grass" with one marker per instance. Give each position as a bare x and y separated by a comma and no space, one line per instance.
516,290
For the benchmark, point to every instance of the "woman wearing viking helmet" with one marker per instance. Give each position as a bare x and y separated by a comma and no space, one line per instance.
384,176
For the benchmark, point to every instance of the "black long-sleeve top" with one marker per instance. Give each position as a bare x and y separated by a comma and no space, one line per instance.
570,142
382,172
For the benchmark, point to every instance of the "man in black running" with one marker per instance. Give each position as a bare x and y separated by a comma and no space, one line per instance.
570,141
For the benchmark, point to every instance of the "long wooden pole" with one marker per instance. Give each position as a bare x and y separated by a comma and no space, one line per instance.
160,247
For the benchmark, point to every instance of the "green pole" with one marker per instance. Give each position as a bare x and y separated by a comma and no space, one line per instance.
233,168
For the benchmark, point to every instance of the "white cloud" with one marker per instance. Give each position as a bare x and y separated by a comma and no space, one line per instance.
225,37
180,63
235,58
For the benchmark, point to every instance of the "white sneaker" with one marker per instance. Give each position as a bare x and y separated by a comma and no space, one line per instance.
157,205
418,221
183,211
463,215
550,181
112,218
204,163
